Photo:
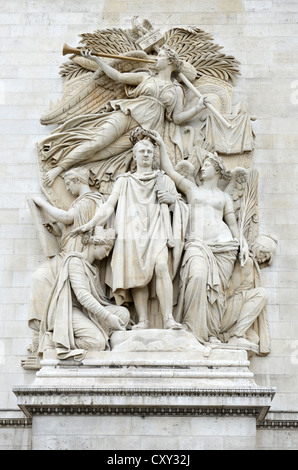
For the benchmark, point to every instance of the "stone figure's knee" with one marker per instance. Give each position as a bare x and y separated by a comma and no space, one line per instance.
96,342
197,273
262,293
161,268
124,315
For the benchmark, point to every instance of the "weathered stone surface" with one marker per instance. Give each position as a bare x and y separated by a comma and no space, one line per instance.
154,340
29,69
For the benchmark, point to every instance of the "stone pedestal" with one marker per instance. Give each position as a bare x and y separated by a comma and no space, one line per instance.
145,399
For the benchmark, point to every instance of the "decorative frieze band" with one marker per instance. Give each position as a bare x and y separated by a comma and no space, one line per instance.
278,424
15,422
268,424
237,392
141,411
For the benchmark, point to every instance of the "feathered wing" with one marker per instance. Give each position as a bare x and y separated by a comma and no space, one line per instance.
243,189
86,88
236,187
76,67
82,95
197,47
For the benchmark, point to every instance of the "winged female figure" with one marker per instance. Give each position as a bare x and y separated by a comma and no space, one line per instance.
92,138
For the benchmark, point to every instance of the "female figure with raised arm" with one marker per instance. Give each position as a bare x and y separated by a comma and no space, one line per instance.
150,100
81,211
211,247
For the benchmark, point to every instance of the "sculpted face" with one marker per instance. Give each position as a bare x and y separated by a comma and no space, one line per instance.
143,154
101,251
162,61
73,186
208,170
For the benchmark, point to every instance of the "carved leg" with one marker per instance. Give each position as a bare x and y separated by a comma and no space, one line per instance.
195,318
86,334
140,298
97,147
164,291
252,303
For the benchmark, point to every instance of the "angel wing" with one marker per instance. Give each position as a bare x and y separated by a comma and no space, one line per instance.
236,187
197,47
86,88
76,67
109,41
89,93
243,189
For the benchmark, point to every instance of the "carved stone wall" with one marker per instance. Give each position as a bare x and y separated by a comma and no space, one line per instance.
263,37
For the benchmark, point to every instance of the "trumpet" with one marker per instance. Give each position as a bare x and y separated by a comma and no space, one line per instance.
72,50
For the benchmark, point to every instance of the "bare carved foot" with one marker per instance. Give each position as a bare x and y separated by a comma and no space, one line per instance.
171,324
235,341
142,325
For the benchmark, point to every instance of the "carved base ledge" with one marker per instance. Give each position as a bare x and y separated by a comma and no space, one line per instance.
147,384
145,402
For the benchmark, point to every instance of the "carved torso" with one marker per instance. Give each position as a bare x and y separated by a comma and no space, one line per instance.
206,216
156,97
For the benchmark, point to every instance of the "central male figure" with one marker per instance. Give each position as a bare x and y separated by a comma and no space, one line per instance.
150,223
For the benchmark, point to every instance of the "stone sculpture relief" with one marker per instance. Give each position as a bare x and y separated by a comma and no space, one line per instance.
150,222
77,315
145,129
81,210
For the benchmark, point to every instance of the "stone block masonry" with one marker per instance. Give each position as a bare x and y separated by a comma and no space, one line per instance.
263,36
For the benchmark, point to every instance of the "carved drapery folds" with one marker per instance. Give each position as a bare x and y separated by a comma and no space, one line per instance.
139,152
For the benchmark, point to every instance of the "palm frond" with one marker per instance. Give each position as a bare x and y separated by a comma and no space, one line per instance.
197,47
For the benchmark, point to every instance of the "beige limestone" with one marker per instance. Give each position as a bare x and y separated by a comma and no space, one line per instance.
268,91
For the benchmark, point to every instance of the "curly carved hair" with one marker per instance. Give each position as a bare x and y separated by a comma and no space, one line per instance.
218,164
139,134
78,174
173,56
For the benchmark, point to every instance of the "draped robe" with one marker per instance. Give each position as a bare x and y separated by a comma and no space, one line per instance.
205,273
147,105
77,286
143,226
84,207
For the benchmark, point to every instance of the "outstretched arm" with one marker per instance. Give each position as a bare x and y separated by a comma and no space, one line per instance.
167,166
126,78
180,116
81,288
102,214
60,215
